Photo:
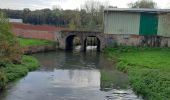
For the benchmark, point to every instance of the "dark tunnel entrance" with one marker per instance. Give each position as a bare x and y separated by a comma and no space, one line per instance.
72,41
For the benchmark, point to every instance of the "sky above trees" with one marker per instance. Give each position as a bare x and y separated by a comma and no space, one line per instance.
68,4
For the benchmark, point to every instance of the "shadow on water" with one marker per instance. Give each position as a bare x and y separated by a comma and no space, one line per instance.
71,76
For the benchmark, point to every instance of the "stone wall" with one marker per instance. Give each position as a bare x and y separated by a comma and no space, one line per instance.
62,36
136,40
36,49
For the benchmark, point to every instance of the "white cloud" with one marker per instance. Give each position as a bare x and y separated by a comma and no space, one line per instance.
67,4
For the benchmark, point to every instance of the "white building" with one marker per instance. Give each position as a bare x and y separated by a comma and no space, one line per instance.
15,20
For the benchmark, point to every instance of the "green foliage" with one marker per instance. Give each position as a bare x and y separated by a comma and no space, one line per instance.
12,72
24,42
143,4
148,69
15,71
3,79
10,50
88,18
30,62
72,25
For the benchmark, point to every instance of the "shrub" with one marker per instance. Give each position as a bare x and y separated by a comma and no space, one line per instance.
30,62
3,79
10,50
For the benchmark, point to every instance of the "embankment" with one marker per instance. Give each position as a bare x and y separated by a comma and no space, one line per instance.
11,72
148,69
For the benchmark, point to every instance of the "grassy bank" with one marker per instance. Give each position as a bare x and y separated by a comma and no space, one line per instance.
11,72
148,69
33,42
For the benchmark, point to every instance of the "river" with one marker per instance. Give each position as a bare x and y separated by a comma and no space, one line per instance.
71,76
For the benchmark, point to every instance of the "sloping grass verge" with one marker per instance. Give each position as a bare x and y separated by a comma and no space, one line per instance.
11,72
25,42
148,69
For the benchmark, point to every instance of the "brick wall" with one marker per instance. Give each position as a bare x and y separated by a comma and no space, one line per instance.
35,31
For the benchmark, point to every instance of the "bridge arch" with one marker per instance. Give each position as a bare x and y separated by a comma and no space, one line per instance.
96,41
69,41
66,38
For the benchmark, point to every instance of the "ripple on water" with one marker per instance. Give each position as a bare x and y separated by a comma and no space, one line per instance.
65,76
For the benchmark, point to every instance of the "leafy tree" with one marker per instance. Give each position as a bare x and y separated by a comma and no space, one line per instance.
72,25
9,48
94,11
143,4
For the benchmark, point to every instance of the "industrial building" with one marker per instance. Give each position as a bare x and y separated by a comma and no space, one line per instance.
137,26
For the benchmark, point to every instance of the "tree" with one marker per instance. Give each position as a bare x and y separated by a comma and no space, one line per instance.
9,47
143,4
94,12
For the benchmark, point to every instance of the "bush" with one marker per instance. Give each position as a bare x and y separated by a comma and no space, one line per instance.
30,62
3,79
10,50
12,71
15,71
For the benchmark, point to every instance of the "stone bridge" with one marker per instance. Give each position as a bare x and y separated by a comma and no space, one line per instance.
66,37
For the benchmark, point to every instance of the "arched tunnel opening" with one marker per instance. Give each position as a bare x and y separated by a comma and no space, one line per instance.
73,42
92,43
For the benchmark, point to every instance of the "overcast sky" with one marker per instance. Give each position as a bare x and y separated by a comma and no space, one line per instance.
68,4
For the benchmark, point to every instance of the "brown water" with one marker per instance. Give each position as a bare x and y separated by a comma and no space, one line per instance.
71,76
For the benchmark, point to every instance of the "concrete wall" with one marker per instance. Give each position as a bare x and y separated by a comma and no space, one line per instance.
36,49
121,23
136,40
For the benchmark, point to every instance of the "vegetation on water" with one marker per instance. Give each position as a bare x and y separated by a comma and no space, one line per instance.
24,42
11,72
148,69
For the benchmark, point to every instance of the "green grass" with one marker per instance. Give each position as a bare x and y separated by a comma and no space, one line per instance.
12,72
148,69
33,42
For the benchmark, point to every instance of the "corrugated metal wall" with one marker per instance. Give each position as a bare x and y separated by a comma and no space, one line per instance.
164,25
121,23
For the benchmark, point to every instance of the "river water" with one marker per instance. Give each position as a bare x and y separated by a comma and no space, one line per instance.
71,76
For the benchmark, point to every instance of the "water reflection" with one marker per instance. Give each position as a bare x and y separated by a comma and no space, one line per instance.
76,78
71,76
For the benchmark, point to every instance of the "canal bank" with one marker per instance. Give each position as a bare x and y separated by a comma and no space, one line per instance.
30,46
71,76
10,72
147,68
